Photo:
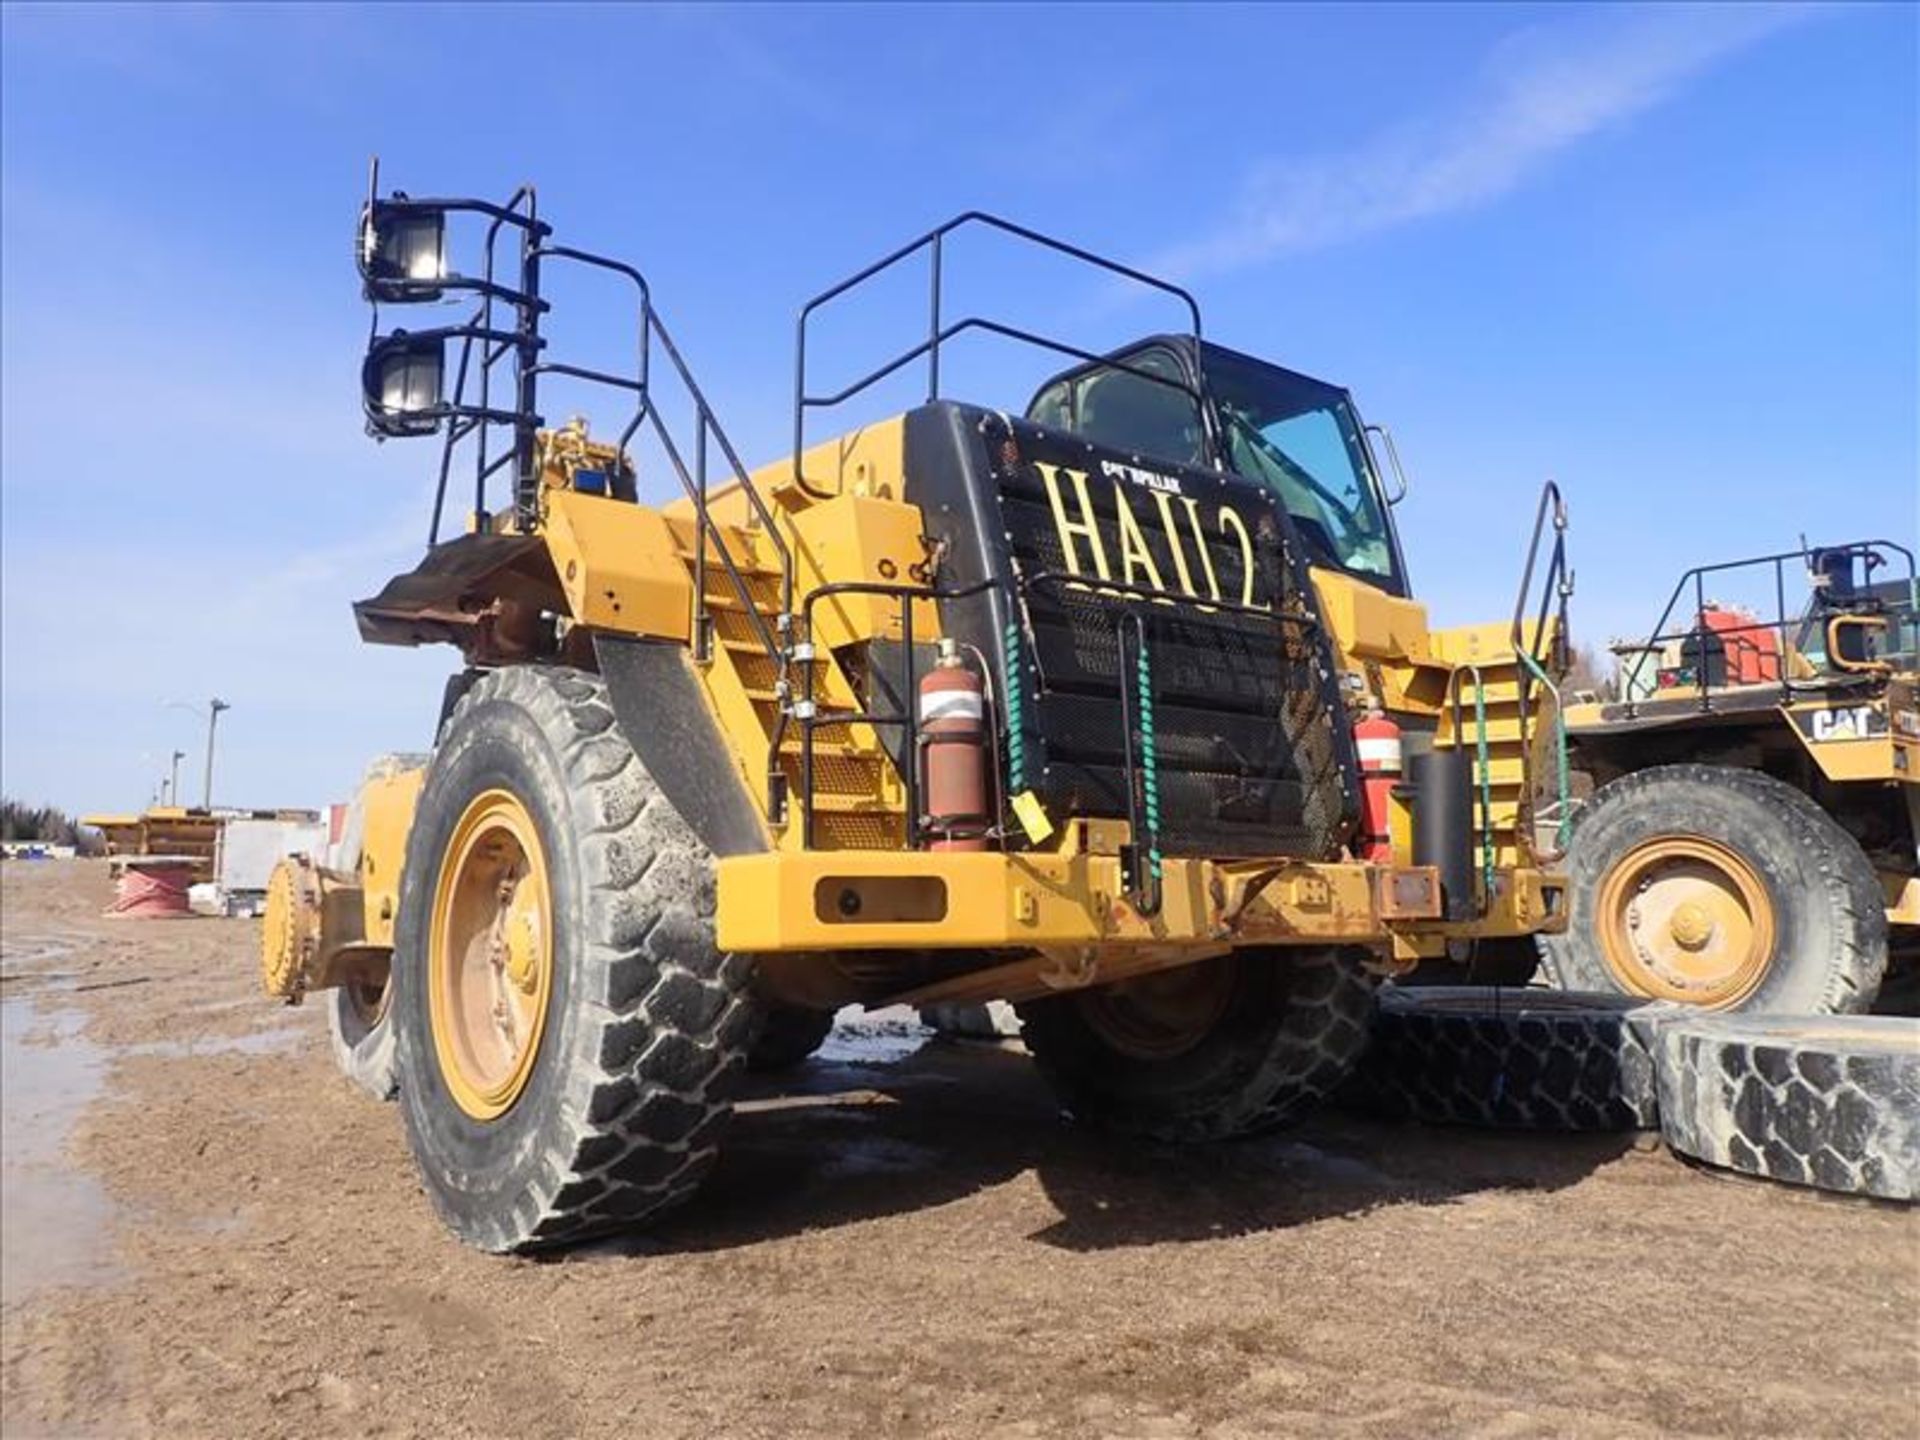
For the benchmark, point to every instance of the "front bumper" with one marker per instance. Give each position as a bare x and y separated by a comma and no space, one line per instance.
795,901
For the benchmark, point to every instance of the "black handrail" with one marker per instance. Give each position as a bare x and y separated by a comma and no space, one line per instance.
1695,578
481,321
525,345
1556,583
1534,664
650,329
938,333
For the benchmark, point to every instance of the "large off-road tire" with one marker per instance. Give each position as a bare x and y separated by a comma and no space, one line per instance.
1722,888
1832,1102
1512,1059
360,1028
601,951
1223,1047
784,1035
1900,986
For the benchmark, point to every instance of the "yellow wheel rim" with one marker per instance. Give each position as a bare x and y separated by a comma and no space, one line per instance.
1684,918
490,955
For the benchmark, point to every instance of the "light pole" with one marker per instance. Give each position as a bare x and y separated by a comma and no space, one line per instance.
214,707
173,779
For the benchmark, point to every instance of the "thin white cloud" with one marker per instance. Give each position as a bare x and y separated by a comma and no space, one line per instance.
1542,91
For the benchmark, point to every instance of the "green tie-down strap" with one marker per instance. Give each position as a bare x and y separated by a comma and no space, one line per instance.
1149,763
1016,726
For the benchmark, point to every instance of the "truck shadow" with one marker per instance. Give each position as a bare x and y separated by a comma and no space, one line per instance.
837,1144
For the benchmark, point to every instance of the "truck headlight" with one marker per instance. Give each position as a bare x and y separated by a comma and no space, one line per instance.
400,384
402,252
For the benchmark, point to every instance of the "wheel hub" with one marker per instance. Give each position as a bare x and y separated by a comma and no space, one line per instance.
1161,1015
1686,918
490,964
524,955
1692,925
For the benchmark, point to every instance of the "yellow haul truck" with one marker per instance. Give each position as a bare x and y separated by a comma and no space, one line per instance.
1753,840
1057,708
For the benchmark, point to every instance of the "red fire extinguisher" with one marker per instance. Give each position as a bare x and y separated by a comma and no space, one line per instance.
953,738
1377,739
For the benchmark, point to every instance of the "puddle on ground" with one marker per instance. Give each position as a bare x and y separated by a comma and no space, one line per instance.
35,950
53,1216
259,1042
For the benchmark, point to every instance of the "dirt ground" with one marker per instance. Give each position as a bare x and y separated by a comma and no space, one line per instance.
219,1237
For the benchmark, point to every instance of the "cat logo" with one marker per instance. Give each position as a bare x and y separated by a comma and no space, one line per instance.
1176,550
1845,722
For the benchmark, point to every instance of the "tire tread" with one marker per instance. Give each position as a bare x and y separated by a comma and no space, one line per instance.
1835,874
608,1164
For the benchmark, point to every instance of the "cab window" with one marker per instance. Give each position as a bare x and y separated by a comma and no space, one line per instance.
1302,438
1130,411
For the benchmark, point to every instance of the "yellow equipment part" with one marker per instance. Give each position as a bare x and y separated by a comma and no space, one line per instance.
1072,900
617,565
324,928
164,830
1684,918
1383,640
1903,898
852,521
490,955
1873,738
312,936
1416,674
386,803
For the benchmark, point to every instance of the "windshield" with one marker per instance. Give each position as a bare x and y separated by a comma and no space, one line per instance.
1302,437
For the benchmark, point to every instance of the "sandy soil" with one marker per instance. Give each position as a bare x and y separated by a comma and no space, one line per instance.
909,1248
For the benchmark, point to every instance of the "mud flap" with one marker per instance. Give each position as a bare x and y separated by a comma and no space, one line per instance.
663,712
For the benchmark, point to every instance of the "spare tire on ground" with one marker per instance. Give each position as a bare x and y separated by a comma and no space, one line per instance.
1529,1059
1827,1101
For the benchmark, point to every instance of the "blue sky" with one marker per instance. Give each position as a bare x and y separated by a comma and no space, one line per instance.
1667,256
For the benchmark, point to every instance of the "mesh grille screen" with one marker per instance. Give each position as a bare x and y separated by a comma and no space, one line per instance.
841,831
1249,759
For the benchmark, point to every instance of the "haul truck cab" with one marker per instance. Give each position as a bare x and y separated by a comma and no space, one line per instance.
958,705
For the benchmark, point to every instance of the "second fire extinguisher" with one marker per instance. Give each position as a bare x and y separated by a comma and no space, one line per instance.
953,739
